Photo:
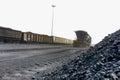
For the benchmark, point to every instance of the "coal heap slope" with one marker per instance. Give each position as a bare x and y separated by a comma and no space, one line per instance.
101,62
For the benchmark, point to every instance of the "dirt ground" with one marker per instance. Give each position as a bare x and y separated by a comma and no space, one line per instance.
30,62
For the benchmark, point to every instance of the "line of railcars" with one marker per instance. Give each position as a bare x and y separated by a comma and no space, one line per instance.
13,36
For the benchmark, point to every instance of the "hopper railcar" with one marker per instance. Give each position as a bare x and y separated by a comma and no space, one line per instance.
60,40
29,37
9,35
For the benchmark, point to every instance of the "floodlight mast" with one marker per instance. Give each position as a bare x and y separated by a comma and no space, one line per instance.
53,6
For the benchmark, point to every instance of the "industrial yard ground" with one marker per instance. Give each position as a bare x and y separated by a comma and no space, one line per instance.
32,61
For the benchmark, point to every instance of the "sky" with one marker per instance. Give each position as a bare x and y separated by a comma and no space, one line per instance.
98,17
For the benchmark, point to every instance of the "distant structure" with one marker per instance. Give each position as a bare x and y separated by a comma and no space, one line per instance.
83,39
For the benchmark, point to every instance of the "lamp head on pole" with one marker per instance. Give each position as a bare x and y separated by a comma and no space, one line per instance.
53,6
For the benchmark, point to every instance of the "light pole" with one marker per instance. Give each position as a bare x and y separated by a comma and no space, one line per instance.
53,6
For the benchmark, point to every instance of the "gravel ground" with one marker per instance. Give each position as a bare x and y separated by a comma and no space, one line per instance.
14,46
101,62
21,63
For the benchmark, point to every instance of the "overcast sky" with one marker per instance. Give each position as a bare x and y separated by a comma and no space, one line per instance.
98,17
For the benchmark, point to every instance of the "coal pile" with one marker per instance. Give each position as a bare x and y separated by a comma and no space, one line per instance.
101,62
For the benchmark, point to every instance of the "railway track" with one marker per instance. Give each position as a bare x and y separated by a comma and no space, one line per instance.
29,49
11,54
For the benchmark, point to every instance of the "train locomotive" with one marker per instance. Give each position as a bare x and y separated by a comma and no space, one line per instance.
83,39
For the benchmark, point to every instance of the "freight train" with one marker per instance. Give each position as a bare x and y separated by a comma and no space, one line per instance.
83,39
13,36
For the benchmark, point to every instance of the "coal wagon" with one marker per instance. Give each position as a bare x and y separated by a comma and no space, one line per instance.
29,37
60,40
9,35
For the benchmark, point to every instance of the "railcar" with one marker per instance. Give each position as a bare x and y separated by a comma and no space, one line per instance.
27,37
60,40
9,35
46,39
35,38
69,41
57,40
83,39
